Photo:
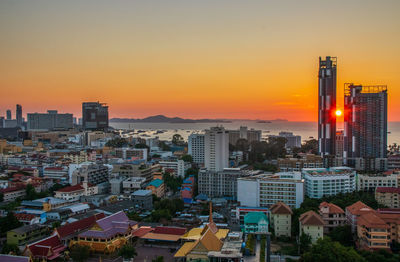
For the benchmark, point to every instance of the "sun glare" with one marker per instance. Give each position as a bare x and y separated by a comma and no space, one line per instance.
338,112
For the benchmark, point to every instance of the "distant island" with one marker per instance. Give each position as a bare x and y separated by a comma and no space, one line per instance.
165,119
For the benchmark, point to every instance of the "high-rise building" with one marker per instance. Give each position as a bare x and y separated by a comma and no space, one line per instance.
94,116
216,149
50,121
291,140
327,106
365,125
244,133
9,116
19,115
196,148
339,143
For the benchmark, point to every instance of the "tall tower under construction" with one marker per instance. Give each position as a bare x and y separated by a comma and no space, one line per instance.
327,106
365,126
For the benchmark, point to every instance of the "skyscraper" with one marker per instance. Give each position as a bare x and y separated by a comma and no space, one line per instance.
196,147
9,116
365,125
94,116
216,149
19,115
327,106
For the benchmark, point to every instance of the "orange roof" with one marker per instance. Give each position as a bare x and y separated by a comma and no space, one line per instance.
332,208
359,208
311,218
281,208
371,220
164,237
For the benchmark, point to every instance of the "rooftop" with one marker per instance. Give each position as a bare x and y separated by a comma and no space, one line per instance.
394,190
311,218
281,208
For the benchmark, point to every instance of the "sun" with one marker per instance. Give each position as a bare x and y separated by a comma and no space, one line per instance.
338,112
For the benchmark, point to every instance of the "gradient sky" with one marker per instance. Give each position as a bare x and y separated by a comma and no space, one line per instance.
216,59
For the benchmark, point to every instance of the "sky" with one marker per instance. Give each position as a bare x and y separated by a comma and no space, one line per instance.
193,59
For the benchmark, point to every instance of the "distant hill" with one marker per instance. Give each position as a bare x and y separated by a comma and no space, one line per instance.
165,119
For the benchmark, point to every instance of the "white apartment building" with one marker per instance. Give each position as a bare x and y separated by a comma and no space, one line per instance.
216,149
321,182
265,190
196,147
179,166
369,182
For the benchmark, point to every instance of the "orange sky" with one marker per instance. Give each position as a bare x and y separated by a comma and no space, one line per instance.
198,59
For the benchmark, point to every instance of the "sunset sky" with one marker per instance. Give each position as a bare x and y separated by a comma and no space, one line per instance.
191,58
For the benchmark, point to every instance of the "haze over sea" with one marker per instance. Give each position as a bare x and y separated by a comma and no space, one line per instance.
304,129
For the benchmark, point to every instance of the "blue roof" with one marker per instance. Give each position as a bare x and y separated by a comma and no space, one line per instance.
156,182
187,201
31,203
141,192
201,197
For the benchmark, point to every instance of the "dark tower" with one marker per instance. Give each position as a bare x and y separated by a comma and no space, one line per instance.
19,115
327,106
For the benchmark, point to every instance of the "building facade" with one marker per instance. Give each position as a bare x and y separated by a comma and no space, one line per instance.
93,174
50,121
388,196
216,149
281,219
196,148
94,116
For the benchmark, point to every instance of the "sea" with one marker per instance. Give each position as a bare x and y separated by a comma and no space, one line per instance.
306,130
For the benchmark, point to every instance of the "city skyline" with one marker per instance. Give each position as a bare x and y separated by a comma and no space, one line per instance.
193,60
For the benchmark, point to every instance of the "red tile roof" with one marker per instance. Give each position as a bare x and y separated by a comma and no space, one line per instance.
388,190
24,217
333,209
11,189
281,208
77,226
371,220
311,218
169,230
50,248
71,188
359,208
142,231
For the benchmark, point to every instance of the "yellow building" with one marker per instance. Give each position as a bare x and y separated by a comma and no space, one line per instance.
281,219
388,196
157,187
311,224
6,148
372,232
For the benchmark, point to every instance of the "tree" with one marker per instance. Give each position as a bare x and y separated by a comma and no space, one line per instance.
158,259
187,158
30,192
177,139
329,251
79,253
343,235
1,197
242,145
10,249
379,256
310,146
304,242
9,222
164,146
117,142
127,252
55,224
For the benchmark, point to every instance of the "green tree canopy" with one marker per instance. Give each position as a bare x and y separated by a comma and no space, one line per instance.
187,158
79,253
127,251
177,139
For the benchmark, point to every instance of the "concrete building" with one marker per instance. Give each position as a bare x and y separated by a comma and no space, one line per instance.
196,148
243,132
131,153
74,193
354,211
94,116
255,223
18,116
339,143
50,121
293,164
388,196
332,215
311,223
372,232
8,114
178,167
143,199
93,174
321,182
393,161
369,182
292,140
23,235
220,184
133,184
327,106
265,190
157,187
365,125
216,149
281,219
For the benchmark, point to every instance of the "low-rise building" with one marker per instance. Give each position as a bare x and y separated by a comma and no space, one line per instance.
354,211
74,193
293,164
311,224
178,167
391,217
57,174
369,182
133,184
131,153
143,199
332,215
26,234
281,219
46,249
12,193
255,222
157,187
388,196
372,232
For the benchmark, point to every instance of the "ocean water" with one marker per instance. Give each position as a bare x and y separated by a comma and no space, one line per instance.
306,130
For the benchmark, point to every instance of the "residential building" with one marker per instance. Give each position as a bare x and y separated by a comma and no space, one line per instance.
131,153
321,182
93,174
133,184
392,219
12,193
74,193
393,161
230,251
369,182
372,232
311,224
22,235
292,140
216,149
94,116
388,196
265,190
332,215
157,187
327,106
50,121
240,212
365,126
108,234
243,132
354,211
294,164
58,174
77,157
143,199
255,223
196,148
222,183
281,219
178,167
